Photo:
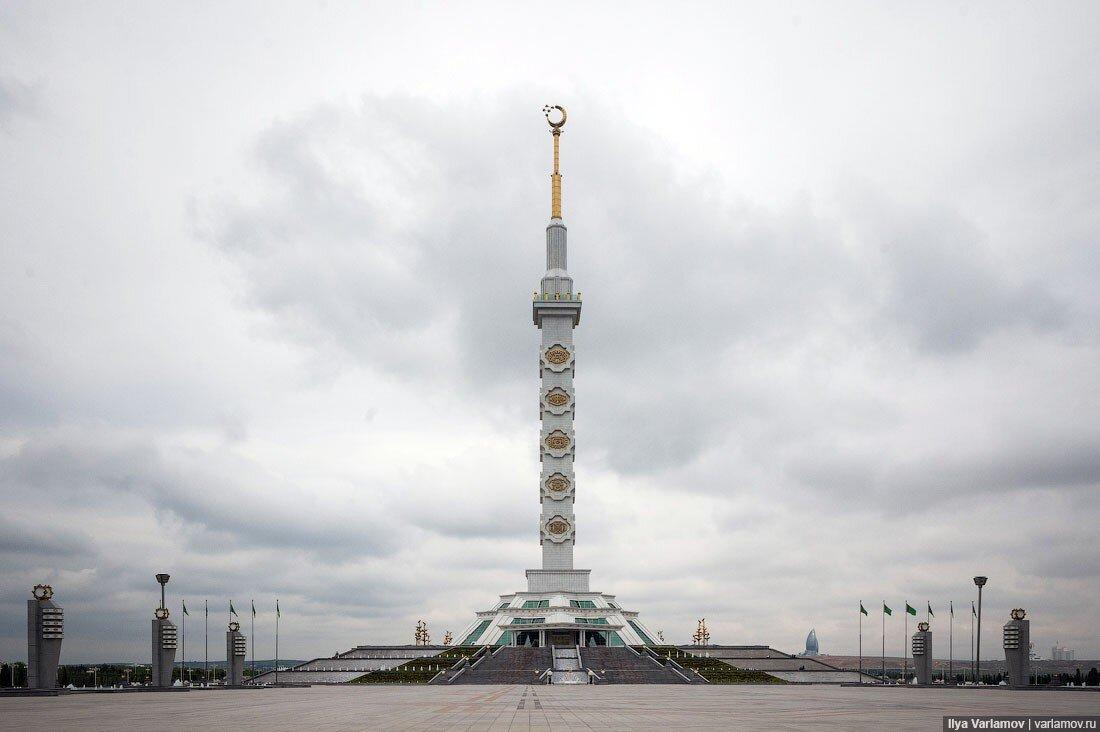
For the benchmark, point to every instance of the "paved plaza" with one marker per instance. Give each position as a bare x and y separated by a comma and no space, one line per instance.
535,707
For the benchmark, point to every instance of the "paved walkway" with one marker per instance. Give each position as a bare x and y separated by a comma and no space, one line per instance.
534,707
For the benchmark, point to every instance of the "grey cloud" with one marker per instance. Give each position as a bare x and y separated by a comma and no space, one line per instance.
1016,464
947,292
40,538
17,99
401,263
220,496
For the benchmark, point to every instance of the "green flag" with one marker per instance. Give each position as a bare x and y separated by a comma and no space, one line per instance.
887,610
278,614
952,608
862,609
231,610
972,610
930,613
910,610
253,608
185,607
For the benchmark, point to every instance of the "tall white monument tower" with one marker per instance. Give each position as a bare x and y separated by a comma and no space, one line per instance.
556,311
557,608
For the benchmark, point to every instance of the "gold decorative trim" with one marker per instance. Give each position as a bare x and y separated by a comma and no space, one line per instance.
557,355
558,527
557,483
557,440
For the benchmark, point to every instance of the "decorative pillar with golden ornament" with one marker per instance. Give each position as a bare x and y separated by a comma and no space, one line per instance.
1017,645
236,647
702,634
922,653
45,629
164,639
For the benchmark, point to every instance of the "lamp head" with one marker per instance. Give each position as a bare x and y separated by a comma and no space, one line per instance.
42,592
923,626
162,578
980,581
1018,613
234,626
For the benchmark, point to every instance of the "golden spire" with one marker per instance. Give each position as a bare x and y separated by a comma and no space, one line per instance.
555,177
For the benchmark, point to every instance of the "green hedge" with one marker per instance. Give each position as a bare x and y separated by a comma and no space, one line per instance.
418,670
396,676
715,670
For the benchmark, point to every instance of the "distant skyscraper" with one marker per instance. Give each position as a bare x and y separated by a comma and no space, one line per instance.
811,644
1061,653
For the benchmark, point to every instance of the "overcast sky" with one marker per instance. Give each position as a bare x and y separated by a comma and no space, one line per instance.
265,281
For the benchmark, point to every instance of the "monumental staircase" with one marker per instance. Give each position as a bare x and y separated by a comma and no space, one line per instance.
625,665
503,665
567,665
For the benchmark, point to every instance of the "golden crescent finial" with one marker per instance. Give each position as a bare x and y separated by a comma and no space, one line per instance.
550,108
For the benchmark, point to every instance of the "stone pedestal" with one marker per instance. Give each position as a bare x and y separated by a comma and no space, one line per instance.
45,628
164,650
236,646
1017,645
922,654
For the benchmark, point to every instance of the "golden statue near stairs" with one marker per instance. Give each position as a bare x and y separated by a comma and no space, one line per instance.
702,635
421,636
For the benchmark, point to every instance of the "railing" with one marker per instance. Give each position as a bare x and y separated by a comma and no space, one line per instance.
547,297
653,656
483,653
679,670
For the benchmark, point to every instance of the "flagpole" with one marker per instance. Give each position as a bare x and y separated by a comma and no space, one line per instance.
905,648
884,641
206,652
951,644
183,632
253,603
861,643
276,641
972,676
927,619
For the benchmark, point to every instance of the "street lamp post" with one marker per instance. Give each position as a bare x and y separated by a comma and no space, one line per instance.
980,582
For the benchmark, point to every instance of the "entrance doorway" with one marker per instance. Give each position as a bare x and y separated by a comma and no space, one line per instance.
561,638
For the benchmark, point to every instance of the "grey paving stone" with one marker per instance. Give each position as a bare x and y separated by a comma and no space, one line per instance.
471,708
